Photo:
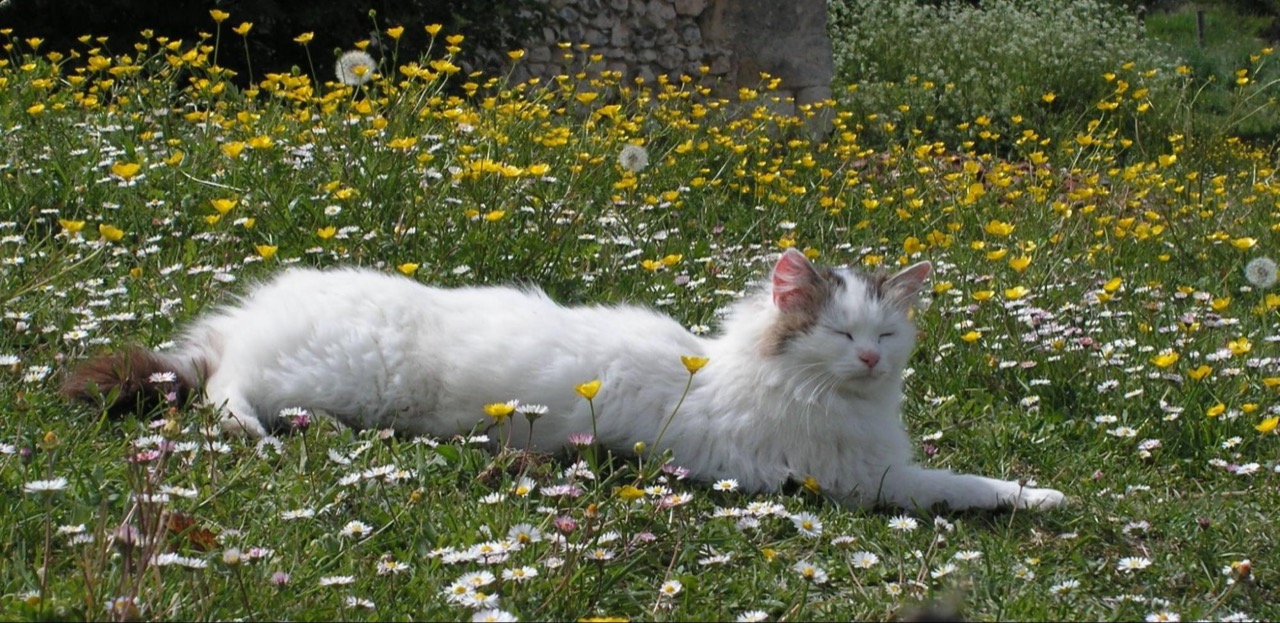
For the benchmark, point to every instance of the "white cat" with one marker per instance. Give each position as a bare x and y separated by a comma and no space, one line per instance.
804,381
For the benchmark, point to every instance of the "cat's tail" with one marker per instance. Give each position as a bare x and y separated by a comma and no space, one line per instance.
135,380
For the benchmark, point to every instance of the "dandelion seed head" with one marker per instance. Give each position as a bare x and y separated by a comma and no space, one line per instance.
1261,272
633,158
355,68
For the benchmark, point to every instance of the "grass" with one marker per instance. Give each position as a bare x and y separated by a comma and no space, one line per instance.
1091,328
1230,43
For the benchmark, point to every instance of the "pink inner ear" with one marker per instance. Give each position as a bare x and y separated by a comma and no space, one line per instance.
792,280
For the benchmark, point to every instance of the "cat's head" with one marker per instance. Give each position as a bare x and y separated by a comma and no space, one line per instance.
851,326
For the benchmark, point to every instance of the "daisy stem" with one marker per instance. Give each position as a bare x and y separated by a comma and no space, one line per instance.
48,547
798,612
244,593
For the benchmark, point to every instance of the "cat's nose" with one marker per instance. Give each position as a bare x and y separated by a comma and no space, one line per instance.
869,357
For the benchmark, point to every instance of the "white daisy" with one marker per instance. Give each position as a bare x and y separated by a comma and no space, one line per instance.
45,486
864,560
808,524
1133,563
903,523
494,615
810,572
727,484
356,528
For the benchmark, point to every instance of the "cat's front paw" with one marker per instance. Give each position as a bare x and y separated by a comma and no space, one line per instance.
1040,499
237,425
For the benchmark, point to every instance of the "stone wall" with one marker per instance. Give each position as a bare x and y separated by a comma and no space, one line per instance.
722,44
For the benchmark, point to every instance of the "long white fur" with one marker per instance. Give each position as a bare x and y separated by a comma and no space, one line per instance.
383,351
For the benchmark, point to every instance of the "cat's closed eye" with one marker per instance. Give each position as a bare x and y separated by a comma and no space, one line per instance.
887,334
846,334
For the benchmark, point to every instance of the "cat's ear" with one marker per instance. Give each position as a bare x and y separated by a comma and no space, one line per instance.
904,286
797,286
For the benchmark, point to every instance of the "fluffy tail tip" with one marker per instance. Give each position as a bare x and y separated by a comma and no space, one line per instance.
134,380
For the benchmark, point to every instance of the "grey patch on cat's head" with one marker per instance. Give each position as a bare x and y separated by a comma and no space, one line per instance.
874,282
801,320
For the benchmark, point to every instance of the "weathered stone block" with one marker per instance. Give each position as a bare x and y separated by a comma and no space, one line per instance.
620,36
690,7
596,38
670,58
690,34
540,54
660,13
787,40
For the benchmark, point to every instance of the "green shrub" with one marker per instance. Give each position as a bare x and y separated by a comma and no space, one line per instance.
955,63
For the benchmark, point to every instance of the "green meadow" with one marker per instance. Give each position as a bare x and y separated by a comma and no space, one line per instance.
1102,320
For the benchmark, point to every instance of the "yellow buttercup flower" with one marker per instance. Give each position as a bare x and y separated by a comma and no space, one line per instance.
1268,425
998,228
1165,360
110,233
223,205
1200,372
1240,346
630,493
433,29
305,37
1216,410
71,226
243,29
219,16
267,251
408,268
1016,292
395,32
326,233
588,390
693,364
126,170
233,149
